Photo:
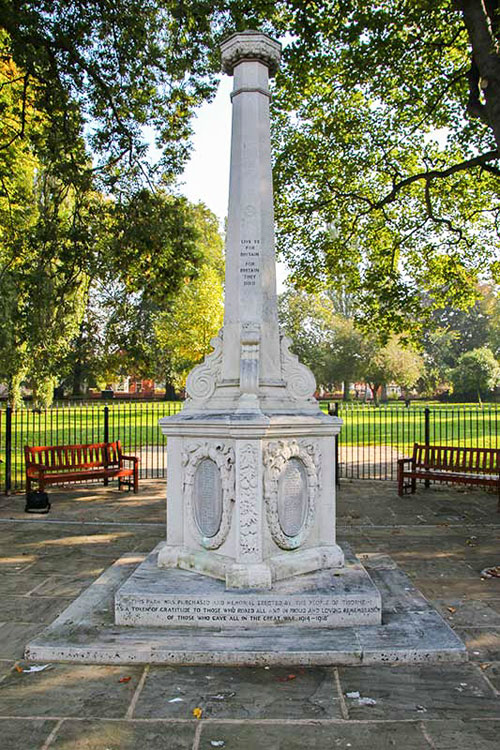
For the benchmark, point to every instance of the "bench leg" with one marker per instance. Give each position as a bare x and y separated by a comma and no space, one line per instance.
106,482
413,486
28,485
136,480
400,481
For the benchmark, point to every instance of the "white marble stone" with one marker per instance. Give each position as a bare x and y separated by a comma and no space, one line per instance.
322,599
86,632
251,422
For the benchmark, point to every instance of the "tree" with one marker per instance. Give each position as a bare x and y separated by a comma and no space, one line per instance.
123,65
153,311
45,224
386,186
183,331
477,373
392,363
58,234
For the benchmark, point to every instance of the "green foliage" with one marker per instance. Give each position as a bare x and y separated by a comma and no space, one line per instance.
477,373
393,363
337,351
124,65
384,187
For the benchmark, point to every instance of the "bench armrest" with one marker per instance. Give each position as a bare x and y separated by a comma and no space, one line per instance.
407,460
135,459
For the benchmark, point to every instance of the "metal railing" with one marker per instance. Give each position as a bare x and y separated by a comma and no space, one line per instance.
370,442
135,424
373,438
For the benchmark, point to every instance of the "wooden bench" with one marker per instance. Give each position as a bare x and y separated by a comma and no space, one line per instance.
444,463
59,464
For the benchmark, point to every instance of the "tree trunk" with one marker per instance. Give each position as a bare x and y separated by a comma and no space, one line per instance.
14,398
481,21
347,394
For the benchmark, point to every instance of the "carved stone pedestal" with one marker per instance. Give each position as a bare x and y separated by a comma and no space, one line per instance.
250,498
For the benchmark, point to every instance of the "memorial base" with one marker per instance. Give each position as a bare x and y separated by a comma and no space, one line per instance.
169,597
411,632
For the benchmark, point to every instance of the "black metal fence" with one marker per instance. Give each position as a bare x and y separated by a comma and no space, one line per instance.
135,424
371,440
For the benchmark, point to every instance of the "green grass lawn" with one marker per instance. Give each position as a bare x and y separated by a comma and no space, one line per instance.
136,424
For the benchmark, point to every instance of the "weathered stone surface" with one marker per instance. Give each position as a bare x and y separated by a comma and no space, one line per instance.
21,734
14,636
239,693
153,596
424,692
86,632
463,735
123,735
326,737
69,690
483,643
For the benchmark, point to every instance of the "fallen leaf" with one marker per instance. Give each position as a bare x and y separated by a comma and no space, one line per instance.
485,665
18,668
452,610
287,678
124,679
197,713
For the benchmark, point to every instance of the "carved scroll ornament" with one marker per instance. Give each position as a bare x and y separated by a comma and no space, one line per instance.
202,380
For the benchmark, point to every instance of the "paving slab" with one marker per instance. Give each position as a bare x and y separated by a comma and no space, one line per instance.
23,734
14,636
460,735
471,612
239,693
123,735
425,692
331,736
483,644
69,690
33,609
492,672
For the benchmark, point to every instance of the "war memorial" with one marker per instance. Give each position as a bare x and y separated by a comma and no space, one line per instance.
251,571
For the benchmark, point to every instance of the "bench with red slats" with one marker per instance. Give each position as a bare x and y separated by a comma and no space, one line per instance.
445,463
59,464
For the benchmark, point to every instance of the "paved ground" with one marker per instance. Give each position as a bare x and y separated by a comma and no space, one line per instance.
443,538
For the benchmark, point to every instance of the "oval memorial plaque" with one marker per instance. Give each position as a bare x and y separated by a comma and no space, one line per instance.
207,497
292,497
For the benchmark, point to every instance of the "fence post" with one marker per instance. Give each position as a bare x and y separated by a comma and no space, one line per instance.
8,450
106,424
427,436
106,436
334,413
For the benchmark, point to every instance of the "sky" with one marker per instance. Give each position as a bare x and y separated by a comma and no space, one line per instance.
206,177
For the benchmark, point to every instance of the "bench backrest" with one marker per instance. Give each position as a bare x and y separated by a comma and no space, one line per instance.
67,457
454,458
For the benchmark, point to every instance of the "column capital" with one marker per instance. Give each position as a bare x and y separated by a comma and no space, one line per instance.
250,45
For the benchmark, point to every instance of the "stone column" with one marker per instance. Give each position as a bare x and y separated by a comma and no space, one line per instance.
251,349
